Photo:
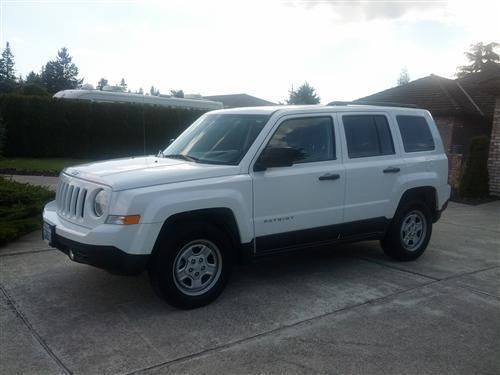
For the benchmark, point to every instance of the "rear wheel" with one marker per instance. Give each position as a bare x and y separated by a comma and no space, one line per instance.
409,233
192,265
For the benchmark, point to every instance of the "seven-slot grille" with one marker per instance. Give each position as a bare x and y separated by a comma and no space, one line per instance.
70,199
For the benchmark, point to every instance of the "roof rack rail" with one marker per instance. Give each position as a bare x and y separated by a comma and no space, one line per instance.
378,104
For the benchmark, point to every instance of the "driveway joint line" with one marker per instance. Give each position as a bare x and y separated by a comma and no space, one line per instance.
396,268
469,227
219,348
451,277
36,335
27,252
477,291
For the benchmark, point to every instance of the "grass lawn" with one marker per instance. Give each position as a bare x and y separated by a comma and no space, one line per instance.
21,206
37,166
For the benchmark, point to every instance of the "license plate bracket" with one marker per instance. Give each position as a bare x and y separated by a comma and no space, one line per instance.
48,232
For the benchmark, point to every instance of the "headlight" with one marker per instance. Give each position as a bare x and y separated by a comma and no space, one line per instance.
101,202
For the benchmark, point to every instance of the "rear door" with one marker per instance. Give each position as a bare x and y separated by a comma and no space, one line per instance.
373,166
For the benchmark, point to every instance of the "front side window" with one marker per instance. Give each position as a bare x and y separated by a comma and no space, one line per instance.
218,139
367,135
415,133
312,137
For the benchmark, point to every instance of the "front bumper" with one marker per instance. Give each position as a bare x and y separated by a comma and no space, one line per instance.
107,257
117,248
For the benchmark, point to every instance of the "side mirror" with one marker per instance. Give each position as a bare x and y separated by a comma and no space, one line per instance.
273,157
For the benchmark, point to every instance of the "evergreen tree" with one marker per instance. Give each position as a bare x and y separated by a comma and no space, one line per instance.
123,85
33,79
482,57
61,73
7,72
177,93
102,82
404,77
154,92
304,95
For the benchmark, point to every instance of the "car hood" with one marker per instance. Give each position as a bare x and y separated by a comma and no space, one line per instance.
131,173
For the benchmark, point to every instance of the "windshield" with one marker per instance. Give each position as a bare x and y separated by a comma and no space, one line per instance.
217,139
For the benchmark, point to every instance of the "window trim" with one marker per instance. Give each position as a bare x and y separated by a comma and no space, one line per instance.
371,114
334,137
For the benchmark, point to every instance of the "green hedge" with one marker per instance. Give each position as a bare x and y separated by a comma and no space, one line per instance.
20,208
474,178
47,127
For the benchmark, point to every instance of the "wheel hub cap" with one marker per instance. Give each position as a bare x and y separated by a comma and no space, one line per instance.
413,230
197,267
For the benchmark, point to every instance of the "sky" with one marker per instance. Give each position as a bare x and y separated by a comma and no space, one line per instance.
344,49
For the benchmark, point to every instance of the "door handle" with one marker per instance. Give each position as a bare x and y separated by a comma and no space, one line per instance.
391,170
329,176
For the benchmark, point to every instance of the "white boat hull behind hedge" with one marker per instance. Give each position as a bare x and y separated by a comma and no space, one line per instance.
124,97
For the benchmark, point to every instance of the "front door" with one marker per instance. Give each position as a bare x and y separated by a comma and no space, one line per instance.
303,203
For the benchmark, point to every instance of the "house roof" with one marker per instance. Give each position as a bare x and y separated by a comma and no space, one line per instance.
474,94
239,100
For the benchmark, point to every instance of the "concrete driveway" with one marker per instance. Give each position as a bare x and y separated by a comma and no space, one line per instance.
342,310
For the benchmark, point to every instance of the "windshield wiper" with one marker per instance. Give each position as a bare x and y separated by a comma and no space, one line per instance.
181,156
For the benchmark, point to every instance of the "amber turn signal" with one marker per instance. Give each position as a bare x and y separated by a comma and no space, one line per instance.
123,219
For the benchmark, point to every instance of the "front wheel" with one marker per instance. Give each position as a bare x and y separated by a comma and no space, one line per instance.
192,266
409,233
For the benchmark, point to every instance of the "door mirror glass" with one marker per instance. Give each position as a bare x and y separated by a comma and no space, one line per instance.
273,157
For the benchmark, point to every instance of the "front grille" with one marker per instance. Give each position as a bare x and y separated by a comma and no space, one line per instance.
70,198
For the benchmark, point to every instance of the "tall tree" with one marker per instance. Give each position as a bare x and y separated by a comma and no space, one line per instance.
2,134
304,95
123,85
33,78
154,92
61,73
177,93
482,57
404,77
7,72
102,82
33,85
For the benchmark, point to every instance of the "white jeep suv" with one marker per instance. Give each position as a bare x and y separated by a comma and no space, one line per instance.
244,183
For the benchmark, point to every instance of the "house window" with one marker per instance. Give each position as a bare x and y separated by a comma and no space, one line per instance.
415,133
367,135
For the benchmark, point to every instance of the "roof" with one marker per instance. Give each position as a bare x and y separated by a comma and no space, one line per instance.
239,100
299,109
474,94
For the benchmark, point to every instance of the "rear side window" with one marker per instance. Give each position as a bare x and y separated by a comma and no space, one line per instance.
367,135
415,133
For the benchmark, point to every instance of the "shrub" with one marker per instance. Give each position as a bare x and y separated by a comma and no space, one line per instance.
20,208
39,126
2,135
474,178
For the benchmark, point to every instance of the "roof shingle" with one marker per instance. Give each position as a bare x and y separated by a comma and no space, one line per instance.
473,94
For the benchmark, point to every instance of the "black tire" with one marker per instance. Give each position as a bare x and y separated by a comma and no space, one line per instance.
394,244
174,251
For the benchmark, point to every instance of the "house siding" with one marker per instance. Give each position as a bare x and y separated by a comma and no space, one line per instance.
494,155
